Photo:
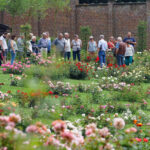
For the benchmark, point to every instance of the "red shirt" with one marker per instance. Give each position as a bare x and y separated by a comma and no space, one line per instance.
111,45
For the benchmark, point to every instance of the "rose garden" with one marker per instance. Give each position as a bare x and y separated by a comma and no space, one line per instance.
53,104
50,103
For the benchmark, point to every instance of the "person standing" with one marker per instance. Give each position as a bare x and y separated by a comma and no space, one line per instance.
49,42
34,44
3,44
67,47
130,39
20,44
92,47
13,48
111,44
129,53
43,45
1,53
120,51
8,41
76,45
102,48
60,44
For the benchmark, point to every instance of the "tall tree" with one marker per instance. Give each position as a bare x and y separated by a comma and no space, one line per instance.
33,8
3,4
14,7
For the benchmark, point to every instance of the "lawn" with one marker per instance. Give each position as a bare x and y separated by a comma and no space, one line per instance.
113,100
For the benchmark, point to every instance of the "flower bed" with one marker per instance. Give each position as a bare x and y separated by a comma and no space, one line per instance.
17,68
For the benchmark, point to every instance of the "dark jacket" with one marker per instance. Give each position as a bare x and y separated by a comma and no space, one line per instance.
122,48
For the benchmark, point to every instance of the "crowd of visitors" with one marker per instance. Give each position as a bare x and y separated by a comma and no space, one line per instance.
123,50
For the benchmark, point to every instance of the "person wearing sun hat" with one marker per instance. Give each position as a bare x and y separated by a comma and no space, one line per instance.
92,47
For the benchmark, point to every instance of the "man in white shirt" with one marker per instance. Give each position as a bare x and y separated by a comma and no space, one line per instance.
102,48
67,47
4,46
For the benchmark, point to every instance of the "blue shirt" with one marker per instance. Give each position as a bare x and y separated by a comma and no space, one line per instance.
49,45
43,43
60,44
117,45
129,39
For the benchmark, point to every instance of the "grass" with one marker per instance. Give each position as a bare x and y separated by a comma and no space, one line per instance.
4,78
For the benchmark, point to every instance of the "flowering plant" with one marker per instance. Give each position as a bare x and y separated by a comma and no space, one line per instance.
17,68
79,70
61,88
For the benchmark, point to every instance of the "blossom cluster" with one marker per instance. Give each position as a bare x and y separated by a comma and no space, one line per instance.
16,68
61,88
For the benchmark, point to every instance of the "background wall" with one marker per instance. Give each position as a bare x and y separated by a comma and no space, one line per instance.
108,19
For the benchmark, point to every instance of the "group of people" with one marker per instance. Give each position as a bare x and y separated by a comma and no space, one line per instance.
13,45
123,50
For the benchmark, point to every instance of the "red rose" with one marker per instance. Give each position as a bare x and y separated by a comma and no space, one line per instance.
50,92
145,140
132,84
123,65
8,92
56,96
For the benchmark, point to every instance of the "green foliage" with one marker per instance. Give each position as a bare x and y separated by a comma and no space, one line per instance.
142,36
52,72
58,5
25,29
15,7
130,95
85,32
78,71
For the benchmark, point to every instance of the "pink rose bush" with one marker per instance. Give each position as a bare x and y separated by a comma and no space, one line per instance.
64,135
16,68
38,60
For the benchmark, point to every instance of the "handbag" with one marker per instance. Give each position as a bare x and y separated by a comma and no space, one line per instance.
78,49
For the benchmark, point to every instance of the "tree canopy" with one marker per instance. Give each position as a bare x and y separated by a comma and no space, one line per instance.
32,7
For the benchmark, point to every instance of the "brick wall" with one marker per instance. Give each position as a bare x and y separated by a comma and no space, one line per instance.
93,16
127,17
108,19
124,18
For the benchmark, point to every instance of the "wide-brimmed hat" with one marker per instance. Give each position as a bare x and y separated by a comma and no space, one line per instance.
91,37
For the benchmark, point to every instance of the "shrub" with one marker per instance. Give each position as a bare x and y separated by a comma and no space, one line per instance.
25,29
79,71
130,95
142,36
85,32
61,88
17,68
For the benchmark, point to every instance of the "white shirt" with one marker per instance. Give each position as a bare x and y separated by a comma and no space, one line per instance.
129,51
76,44
103,45
29,46
67,45
4,42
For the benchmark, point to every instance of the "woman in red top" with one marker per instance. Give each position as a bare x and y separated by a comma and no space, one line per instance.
111,43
